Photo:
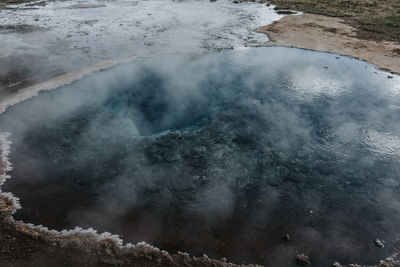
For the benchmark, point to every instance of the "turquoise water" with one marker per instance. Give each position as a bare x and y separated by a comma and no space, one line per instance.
219,154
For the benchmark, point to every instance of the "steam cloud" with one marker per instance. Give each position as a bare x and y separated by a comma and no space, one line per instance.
237,146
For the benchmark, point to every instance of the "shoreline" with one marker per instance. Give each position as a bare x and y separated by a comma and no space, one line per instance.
332,35
29,92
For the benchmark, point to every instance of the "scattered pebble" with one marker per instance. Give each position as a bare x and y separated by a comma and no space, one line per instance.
336,264
286,237
390,77
302,259
311,212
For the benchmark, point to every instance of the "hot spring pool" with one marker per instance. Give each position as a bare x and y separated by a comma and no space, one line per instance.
219,154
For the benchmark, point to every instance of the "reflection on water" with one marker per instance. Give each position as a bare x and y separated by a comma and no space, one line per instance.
220,154
386,143
313,82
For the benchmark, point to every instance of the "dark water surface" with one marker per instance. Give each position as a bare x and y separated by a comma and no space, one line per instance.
219,154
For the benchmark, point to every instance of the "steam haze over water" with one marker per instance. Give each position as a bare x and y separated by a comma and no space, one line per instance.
219,154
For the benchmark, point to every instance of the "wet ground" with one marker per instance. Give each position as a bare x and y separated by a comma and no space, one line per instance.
219,154
41,40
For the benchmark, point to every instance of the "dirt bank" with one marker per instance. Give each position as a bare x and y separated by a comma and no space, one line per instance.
331,34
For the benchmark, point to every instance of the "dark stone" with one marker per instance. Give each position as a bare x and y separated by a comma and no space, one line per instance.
302,259
285,12
170,157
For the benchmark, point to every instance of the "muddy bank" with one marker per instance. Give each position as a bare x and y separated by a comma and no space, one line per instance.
331,34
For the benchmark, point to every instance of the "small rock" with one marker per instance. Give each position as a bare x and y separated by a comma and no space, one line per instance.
286,237
302,259
374,200
109,251
266,150
196,178
336,264
285,12
273,180
379,243
325,67
390,77
311,212
199,149
170,157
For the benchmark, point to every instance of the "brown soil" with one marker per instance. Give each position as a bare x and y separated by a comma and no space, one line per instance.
331,34
374,19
